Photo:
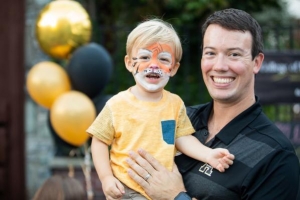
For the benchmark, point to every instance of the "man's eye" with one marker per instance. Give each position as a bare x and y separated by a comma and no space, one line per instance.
209,53
234,54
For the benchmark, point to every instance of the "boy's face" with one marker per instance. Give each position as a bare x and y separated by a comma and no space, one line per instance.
152,66
155,56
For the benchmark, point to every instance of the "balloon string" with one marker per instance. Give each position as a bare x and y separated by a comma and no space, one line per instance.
71,167
86,168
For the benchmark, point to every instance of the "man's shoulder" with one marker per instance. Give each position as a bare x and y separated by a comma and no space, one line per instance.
197,113
196,109
266,128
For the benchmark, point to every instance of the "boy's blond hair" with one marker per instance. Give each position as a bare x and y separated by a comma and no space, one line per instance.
152,31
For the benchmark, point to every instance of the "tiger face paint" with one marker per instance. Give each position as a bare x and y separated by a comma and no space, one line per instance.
156,56
152,66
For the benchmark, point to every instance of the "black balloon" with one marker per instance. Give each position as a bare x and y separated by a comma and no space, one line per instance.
100,101
90,69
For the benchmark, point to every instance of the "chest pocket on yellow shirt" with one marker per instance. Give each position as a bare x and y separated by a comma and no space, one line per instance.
168,131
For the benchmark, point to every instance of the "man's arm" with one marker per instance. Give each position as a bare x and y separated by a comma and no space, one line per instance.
163,184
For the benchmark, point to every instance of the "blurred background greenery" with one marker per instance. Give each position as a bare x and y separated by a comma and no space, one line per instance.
113,20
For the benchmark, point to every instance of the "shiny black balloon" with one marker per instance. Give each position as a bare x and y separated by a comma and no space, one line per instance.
90,69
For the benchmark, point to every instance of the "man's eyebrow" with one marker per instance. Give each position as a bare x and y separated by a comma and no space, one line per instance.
236,48
208,47
230,49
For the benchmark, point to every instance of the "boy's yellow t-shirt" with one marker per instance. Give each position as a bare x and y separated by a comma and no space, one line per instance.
126,123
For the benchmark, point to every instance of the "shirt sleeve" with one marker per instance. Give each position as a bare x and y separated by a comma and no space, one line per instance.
184,125
102,127
277,178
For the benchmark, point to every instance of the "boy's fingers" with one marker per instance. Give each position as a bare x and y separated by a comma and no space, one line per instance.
120,187
228,161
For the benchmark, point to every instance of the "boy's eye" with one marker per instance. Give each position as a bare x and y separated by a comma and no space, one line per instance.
144,57
165,59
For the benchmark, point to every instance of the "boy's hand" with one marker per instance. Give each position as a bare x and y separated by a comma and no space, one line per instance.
220,159
112,188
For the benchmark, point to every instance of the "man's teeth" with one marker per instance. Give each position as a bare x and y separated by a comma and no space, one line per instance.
222,80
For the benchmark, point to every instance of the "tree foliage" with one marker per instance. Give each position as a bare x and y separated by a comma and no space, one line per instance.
183,11
114,19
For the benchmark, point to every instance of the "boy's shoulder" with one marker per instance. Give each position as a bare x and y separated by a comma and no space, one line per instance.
174,96
119,97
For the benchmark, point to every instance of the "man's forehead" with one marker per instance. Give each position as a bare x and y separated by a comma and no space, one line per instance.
216,35
216,29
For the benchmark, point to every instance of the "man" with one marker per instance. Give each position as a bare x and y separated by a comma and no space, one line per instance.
265,165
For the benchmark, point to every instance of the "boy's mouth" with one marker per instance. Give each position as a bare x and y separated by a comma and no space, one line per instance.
153,75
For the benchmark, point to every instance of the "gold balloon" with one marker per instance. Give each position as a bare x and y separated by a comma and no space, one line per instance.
61,27
46,81
71,114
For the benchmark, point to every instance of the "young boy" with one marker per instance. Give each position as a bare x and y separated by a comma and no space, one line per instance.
146,116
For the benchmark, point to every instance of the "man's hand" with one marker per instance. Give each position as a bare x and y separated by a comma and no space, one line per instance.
162,184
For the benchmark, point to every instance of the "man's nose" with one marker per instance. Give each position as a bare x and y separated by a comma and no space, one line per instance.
220,63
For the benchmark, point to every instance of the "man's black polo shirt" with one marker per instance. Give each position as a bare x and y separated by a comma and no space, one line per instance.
265,166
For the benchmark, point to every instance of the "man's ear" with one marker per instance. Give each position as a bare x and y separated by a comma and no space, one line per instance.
128,63
258,60
174,69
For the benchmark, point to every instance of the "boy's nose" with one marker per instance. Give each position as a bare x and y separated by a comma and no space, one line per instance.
154,66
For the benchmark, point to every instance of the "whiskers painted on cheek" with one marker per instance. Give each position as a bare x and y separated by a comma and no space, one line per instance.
137,69
134,64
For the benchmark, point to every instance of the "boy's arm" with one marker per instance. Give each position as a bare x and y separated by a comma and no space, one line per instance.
112,188
219,158
100,154
192,147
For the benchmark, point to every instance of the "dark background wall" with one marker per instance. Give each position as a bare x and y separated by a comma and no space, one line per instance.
12,181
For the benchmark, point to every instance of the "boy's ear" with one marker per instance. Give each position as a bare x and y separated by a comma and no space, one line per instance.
128,63
174,69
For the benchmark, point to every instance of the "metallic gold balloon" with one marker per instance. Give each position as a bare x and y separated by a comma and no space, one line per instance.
46,81
71,114
61,27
